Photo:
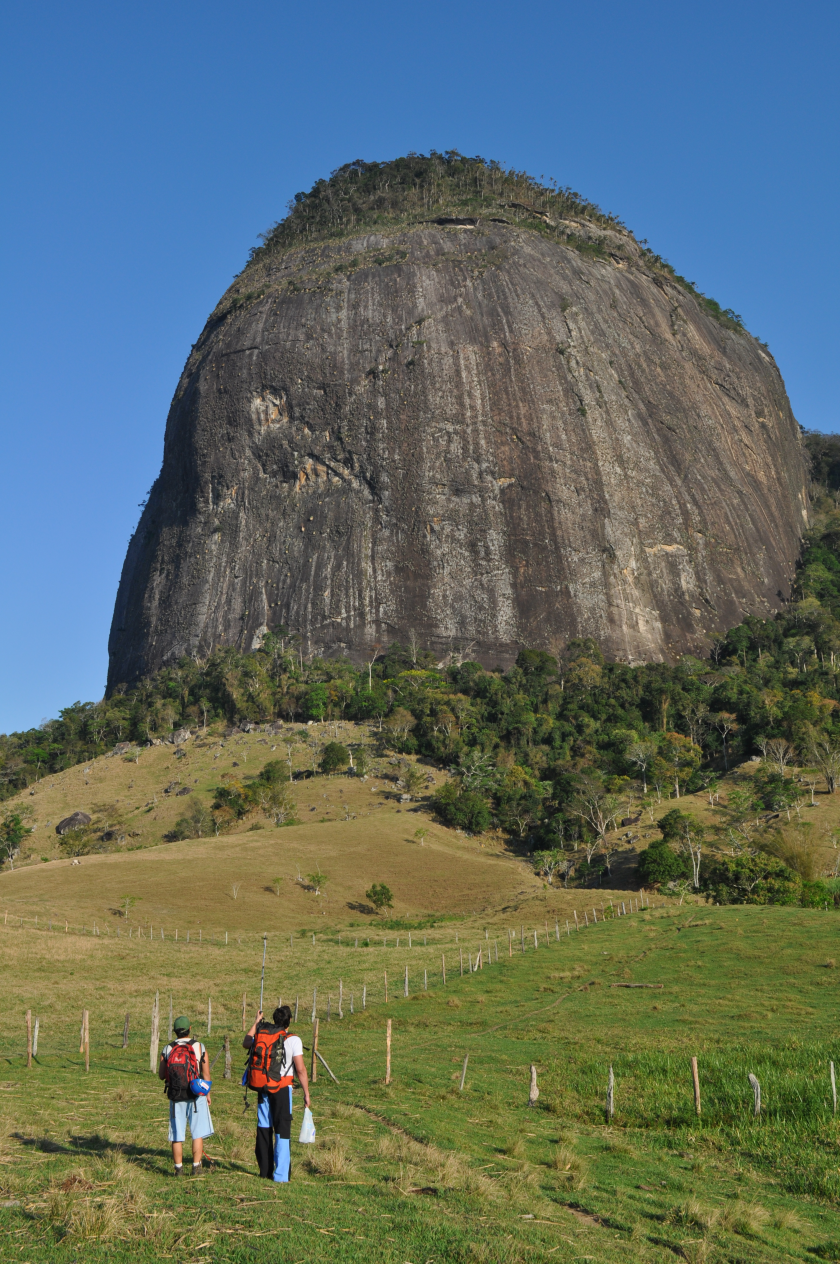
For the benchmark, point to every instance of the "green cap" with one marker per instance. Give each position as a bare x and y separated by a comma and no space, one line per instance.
181,1025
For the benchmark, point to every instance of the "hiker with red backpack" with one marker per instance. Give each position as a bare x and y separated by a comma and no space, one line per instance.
185,1069
274,1057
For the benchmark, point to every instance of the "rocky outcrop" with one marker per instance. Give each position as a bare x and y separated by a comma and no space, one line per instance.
76,820
473,435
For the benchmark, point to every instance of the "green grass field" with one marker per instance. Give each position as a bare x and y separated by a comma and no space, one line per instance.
418,1171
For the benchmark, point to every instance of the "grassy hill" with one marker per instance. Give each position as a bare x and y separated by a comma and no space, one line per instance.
417,1170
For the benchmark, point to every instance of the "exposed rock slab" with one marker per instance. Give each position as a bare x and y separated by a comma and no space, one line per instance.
472,434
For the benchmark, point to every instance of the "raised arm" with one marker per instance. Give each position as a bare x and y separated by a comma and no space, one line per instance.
248,1039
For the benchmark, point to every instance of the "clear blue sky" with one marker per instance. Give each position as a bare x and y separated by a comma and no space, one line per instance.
144,147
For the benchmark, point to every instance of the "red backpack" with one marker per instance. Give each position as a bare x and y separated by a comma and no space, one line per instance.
265,1061
181,1068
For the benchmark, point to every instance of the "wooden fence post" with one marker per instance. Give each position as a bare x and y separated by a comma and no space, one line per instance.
313,1074
386,986
388,1053
461,953
329,1006
568,932
82,1034
695,1076
577,927
314,1004
35,1031
756,1088
405,985
522,936
87,1041
227,1057
425,981
364,996
169,1028
833,1086
340,998
510,944
244,1002
155,1041
463,1074
610,1096
533,1091
557,931
125,1031
443,967
536,944
209,1015
586,917
297,998
29,1039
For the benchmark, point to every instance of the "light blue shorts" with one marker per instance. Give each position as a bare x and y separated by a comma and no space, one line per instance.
195,1115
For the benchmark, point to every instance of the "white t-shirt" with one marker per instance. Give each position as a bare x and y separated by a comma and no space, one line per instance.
198,1049
292,1048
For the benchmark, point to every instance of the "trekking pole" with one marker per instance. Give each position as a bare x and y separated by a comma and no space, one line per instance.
262,980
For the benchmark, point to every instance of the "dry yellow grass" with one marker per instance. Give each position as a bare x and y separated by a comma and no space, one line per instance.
355,831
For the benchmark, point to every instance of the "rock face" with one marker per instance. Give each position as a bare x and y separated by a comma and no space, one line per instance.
468,434
76,820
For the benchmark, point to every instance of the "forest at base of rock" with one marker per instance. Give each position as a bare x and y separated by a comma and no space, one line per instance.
530,747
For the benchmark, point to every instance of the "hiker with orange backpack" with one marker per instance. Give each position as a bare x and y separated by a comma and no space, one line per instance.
185,1069
274,1056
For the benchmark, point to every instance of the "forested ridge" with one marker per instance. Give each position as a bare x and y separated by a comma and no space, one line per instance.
529,745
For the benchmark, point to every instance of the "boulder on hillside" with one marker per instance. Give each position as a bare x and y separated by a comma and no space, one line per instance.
76,820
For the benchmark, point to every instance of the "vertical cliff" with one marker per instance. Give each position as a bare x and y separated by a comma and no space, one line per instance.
480,414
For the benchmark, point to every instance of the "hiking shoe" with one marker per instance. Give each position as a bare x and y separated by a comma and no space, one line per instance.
197,1169
179,1171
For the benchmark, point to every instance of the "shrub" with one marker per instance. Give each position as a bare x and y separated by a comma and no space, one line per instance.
380,896
464,809
749,880
335,757
659,863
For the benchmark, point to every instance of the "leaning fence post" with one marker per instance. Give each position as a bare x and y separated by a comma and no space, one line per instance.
756,1088
388,1053
155,1041
463,1074
696,1078
533,1091
313,1074
833,1086
297,998
29,1039
227,1057
125,1031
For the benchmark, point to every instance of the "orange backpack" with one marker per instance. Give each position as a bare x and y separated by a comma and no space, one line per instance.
265,1060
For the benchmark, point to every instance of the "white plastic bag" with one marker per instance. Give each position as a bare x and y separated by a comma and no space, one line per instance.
307,1128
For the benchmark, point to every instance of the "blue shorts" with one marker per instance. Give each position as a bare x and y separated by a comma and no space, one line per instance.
195,1115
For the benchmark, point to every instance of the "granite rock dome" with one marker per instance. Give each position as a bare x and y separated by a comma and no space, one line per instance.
468,409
